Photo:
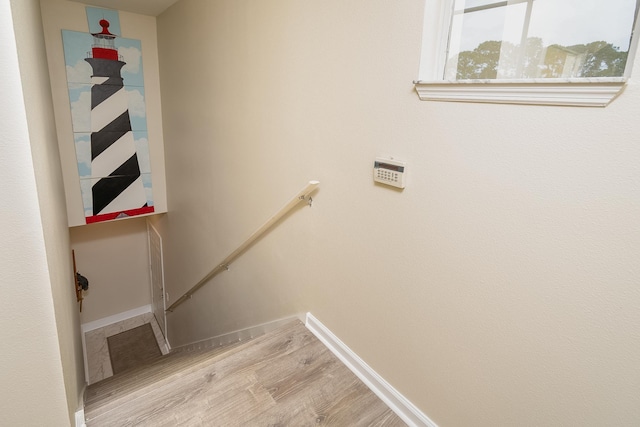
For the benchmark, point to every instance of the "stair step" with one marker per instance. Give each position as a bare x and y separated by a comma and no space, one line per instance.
156,369
125,387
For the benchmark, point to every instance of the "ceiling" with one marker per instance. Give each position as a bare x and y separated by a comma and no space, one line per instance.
143,7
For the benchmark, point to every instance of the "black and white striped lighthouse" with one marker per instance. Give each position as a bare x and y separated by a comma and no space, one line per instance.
117,188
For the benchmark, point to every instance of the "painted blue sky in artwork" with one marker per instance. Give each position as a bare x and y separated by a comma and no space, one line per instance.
95,14
83,153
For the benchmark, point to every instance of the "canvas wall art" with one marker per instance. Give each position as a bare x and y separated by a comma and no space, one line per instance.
106,92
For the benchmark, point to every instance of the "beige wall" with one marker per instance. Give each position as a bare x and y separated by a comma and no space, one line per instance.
114,256
42,134
67,15
499,288
38,358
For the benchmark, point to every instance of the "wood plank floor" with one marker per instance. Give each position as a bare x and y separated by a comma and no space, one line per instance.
284,378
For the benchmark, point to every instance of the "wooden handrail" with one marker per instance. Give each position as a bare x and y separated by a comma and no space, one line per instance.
224,264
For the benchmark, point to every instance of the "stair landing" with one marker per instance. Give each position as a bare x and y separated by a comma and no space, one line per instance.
284,378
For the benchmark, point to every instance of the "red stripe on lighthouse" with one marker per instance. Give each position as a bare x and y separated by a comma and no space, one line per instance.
102,53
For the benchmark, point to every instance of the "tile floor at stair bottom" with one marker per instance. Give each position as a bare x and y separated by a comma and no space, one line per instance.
98,360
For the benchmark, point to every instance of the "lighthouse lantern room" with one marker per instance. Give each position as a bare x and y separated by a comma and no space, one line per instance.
104,43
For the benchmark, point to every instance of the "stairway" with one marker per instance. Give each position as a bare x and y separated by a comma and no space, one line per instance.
284,378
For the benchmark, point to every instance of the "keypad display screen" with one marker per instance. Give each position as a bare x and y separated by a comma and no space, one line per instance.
387,166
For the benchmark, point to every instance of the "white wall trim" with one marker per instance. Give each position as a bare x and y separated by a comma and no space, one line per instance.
595,92
80,422
110,320
397,402
163,326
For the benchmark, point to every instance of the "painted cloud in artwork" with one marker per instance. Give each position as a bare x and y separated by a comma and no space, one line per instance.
137,106
133,58
79,73
81,108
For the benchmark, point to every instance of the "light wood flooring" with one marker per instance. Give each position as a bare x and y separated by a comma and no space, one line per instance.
284,378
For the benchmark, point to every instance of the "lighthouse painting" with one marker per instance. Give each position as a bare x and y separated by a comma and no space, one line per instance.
106,91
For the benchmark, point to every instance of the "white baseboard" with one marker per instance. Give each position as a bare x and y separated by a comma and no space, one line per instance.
80,422
397,402
110,320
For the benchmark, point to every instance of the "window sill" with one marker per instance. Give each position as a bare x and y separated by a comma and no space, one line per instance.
589,92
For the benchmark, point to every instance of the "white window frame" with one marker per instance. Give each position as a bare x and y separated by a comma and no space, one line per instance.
583,92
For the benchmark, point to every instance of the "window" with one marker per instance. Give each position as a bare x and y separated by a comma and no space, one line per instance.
565,52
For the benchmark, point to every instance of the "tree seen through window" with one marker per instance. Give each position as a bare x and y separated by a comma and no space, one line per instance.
526,39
